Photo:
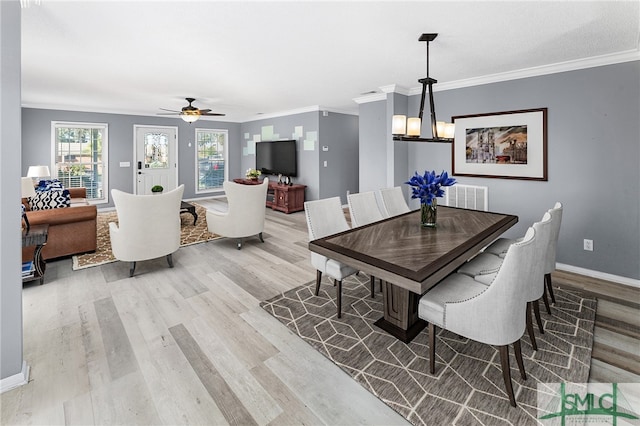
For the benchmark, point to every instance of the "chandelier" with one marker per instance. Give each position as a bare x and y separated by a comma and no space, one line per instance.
408,130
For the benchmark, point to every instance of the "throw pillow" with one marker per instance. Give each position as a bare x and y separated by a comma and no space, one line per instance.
47,185
53,199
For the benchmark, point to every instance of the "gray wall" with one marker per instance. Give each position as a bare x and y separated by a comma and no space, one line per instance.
36,144
10,252
593,160
373,140
283,128
339,133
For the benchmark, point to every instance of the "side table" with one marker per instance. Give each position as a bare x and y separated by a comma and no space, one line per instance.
37,237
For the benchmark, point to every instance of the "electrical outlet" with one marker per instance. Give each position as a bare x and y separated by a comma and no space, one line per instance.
588,245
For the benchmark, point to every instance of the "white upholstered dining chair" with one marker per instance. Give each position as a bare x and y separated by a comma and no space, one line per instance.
500,246
363,210
392,202
325,217
245,213
148,226
534,290
493,314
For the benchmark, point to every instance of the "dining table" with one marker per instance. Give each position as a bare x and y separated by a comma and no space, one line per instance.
409,259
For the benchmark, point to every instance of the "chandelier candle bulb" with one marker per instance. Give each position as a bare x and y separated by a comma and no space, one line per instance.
413,126
399,125
449,130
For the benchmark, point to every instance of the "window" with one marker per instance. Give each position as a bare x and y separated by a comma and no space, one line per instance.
211,159
80,152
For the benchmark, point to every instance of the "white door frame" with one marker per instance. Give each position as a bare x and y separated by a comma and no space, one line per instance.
136,127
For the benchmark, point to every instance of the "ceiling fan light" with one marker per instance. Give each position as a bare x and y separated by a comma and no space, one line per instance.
190,118
413,126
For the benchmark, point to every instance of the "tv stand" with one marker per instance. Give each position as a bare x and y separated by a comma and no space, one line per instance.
281,197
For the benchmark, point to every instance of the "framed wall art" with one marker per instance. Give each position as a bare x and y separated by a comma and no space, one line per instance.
506,145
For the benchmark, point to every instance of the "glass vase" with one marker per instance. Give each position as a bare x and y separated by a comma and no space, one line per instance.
429,214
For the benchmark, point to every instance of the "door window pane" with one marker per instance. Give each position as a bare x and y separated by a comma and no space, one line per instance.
156,151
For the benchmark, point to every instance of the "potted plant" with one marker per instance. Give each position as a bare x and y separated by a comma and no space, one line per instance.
253,174
157,189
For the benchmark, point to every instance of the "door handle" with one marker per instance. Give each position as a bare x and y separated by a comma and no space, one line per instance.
139,165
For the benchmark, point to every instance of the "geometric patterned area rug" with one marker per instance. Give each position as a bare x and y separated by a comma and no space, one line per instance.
467,388
189,234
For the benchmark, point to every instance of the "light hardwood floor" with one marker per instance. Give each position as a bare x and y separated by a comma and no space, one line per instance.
190,345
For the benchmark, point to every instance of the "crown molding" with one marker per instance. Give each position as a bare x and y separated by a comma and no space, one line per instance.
395,88
596,61
373,97
312,108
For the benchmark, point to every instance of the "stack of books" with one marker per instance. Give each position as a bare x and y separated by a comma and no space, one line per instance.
28,269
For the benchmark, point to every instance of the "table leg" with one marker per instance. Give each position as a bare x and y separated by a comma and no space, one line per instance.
400,313
39,263
195,215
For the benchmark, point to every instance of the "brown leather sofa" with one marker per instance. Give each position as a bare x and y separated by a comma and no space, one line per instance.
72,230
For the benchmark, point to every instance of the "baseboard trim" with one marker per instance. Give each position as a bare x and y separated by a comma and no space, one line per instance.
12,382
600,275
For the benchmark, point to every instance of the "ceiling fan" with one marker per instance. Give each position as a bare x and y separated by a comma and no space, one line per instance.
190,113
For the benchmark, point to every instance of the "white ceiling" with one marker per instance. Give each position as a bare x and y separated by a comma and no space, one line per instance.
243,58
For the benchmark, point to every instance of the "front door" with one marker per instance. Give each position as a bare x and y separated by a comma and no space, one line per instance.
156,158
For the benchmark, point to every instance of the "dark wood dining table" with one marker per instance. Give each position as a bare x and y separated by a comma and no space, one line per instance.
410,259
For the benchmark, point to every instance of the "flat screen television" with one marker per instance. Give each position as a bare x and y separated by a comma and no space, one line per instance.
277,157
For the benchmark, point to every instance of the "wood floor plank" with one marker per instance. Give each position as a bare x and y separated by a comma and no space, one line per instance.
231,407
305,371
117,347
125,401
79,410
255,399
295,412
231,328
174,388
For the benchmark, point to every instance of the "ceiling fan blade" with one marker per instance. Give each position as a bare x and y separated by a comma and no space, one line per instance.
168,113
170,110
204,111
211,114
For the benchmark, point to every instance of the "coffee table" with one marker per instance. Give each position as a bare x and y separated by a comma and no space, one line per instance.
189,208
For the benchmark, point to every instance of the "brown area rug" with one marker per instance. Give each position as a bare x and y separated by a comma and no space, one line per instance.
190,234
468,387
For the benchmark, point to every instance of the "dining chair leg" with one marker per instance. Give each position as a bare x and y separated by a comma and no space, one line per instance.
132,268
536,310
517,348
318,279
506,372
338,284
372,280
532,336
432,348
546,300
170,260
547,279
